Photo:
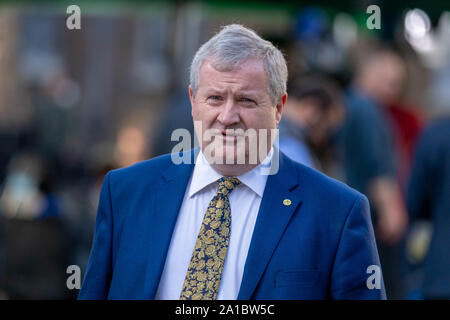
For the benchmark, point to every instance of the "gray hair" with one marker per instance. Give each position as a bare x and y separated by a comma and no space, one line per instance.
232,46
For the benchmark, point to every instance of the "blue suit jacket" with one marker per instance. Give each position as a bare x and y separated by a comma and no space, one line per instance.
318,247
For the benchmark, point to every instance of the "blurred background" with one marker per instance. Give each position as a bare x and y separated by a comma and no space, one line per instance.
370,107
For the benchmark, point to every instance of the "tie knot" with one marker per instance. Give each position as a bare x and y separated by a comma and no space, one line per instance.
227,184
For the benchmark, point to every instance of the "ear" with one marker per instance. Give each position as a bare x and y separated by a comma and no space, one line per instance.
191,98
280,107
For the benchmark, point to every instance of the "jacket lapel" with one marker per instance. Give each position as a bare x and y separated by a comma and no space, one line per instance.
273,217
167,201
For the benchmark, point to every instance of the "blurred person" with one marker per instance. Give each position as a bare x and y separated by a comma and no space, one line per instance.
34,234
26,194
370,157
164,231
312,115
387,82
429,199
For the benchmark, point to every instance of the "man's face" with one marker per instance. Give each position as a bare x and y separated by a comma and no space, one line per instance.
236,99
385,76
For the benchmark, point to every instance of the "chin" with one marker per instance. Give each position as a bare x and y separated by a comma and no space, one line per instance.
233,155
229,154
231,170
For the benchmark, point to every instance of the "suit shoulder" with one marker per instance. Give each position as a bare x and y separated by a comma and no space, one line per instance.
324,186
331,200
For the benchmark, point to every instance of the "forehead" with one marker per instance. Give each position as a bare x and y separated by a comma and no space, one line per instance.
249,75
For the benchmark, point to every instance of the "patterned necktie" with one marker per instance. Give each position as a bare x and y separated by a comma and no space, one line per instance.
205,269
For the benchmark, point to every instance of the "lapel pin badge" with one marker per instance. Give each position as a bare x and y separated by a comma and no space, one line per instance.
287,202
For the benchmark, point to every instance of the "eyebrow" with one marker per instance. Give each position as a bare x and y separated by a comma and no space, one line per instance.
214,90
246,95
239,94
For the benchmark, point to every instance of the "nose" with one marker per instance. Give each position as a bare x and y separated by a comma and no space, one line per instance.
229,114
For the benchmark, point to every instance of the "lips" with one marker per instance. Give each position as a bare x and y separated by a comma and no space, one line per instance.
227,137
230,133
230,137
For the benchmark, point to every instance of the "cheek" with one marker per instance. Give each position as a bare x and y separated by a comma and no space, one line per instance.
270,117
201,112
196,111
264,118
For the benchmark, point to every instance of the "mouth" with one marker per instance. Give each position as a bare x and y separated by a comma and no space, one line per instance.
230,133
229,137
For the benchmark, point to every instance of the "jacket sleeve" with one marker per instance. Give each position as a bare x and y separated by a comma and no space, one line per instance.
99,269
356,272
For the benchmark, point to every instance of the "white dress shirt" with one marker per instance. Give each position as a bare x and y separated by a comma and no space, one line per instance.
245,200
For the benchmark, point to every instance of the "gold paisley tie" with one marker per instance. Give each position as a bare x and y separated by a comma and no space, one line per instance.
205,269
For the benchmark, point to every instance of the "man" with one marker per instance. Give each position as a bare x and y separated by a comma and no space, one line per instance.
222,230
371,165
369,155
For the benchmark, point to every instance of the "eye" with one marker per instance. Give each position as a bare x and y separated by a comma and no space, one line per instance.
247,101
214,99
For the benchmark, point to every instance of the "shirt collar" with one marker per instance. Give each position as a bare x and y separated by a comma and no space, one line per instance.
204,175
